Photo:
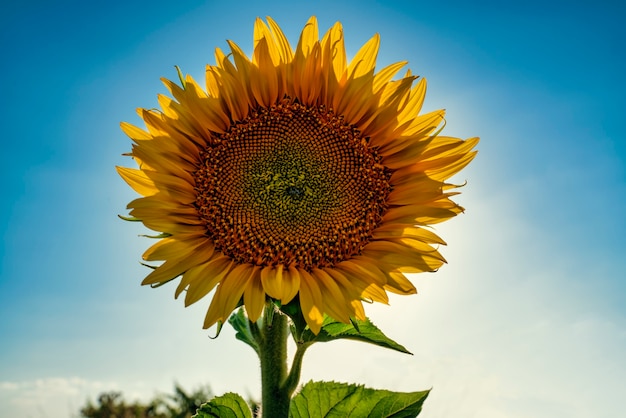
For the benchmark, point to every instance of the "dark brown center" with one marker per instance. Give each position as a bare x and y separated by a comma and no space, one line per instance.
291,185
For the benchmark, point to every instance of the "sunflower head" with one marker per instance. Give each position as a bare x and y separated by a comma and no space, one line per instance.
294,175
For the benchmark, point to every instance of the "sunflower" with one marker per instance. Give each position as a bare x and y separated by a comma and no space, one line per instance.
295,175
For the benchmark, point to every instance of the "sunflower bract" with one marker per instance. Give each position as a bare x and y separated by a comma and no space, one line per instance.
294,172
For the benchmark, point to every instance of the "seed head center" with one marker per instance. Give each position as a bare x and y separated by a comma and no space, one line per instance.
294,192
291,185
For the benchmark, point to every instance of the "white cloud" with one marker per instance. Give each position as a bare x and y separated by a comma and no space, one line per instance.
60,397
48,397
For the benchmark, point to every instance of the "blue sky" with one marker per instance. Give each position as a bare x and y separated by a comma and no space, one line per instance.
527,319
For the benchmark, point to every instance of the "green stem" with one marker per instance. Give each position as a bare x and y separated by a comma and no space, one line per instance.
294,375
273,356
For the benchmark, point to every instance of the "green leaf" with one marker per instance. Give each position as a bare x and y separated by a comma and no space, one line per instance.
358,330
229,405
337,400
242,325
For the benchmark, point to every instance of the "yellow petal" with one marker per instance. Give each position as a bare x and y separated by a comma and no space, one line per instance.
384,76
401,255
202,279
173,268
291,284
228,294
174,225
138,180
419,214
351,294
134,132
272,280
284,48
415,102
356,268
390,231
311,301
160,206
425,124
365,60
264,83
351,101
254,296
234,96
308,38
334,300
334,53
176,247
262,34
244,66
367,283
395,281
311,85
399,284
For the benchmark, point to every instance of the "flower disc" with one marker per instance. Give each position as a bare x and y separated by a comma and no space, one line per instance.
291,185
295,173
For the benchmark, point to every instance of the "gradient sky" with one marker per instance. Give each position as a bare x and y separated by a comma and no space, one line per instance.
528,319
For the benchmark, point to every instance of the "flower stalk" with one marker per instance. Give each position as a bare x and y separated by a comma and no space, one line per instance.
276,393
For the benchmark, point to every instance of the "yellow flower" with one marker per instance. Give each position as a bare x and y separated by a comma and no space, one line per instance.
295,173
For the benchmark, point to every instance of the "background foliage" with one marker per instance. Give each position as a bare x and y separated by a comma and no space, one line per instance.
180,404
